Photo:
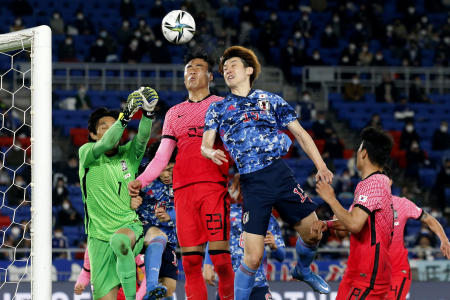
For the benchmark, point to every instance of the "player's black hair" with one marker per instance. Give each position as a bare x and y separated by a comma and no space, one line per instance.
96,115
202,54
378,145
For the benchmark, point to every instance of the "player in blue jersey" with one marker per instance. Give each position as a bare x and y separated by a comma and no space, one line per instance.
157,214
273,239
248,122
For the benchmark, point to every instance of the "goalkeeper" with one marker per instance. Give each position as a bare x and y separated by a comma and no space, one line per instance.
115,234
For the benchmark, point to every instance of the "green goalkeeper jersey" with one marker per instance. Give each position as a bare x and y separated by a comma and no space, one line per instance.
104,180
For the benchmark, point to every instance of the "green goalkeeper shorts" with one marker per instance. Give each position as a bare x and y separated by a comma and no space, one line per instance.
103,261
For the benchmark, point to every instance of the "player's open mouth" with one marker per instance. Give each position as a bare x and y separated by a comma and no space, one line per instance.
230,77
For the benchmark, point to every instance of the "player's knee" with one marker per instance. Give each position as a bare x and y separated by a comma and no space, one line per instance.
120,244
221,260
162,237
253,260
192,260
312,238
171,286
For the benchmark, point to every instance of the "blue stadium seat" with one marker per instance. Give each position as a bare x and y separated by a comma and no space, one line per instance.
427,177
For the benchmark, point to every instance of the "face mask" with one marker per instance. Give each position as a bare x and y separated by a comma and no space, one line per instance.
328,30
158,43
447,40
346,177
137,34
336,19
409,128
298,34
355,81
305,18
125,24
20,182
345,59
56,16
141,23
352,47
411,10
444,128
59,190
316,56
100,43
18,22
359,26
365,49
66,206
68,42
58,234
447,171
15,231
424,19
134,45
306,97
379,57
321,121
390,28
273,17
103,34
146,38
80,17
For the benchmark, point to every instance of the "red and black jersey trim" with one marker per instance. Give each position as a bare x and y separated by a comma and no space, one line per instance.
363,208
421,215
374,272
190,101
169,137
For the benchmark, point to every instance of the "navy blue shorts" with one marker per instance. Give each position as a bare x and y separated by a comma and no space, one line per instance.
258,293
273,186
169,263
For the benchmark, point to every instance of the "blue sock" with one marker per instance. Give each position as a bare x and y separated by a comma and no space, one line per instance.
153,255
244,279
305,254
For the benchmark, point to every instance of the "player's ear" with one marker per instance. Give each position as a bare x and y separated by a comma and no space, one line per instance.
210,76
249,70
93,136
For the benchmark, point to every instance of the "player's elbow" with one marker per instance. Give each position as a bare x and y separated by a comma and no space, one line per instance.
354,228
204,151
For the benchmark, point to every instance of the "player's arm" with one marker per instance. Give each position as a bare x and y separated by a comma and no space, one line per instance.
310,148
208,268
353,220
84,277
275,241
154,168
216,155
149,100
436,227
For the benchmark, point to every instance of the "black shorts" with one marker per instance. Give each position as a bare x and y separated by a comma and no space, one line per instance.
258,293
274,186
169,263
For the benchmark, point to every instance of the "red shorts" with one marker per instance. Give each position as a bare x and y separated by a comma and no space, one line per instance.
400,285
354,290
202,213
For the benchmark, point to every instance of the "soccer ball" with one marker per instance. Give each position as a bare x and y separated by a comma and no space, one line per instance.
178,27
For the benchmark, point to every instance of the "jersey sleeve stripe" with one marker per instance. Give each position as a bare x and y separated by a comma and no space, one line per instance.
169,137
421,214
363,208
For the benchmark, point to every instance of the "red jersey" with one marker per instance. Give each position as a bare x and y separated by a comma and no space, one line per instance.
368,261
403,210
184,123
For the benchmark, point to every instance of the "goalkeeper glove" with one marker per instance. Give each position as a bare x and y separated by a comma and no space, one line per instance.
149,100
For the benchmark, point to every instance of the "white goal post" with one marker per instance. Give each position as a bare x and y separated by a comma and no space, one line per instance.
39,42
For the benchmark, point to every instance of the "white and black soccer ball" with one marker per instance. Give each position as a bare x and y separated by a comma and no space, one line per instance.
178,27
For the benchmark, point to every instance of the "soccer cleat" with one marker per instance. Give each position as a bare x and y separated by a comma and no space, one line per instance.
313,280
155,293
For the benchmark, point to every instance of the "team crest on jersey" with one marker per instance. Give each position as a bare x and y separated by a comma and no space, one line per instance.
124,165
362,198
264,104
245,217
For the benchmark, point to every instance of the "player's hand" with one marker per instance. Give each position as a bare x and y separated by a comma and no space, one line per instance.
209,274
218,157
79,288
161,214
135,101
325,191
323,174
134,187
445,248
135,202
318,227
269,240
149,98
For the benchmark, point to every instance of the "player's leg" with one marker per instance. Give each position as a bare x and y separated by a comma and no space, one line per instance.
215,210
122,243
192,239
297,209
104,278
168,273
258,197
171,285
155,240
347,291
399,288
261,293
112,295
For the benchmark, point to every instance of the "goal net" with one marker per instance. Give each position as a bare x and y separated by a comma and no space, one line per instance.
25,164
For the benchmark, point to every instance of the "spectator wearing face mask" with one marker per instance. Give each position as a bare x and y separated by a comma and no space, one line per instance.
365,56
415,158
67,51
17,194
344,185
82,24
417,92
315,59
336,25
351,53
329,39
110,44
441,137
83,100
333,148
60,192
305,107
375,121
360,35
5,178
386,91
18,25
442,183
378,59
424,250
125,33
98,51
132,53
70,171
57,23
354,91
158,10
322,128
68,216
408,135
59,241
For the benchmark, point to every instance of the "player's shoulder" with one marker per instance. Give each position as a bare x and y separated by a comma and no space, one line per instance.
375,181
261,94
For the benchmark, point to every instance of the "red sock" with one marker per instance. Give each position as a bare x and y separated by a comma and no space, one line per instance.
195,286
222,265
